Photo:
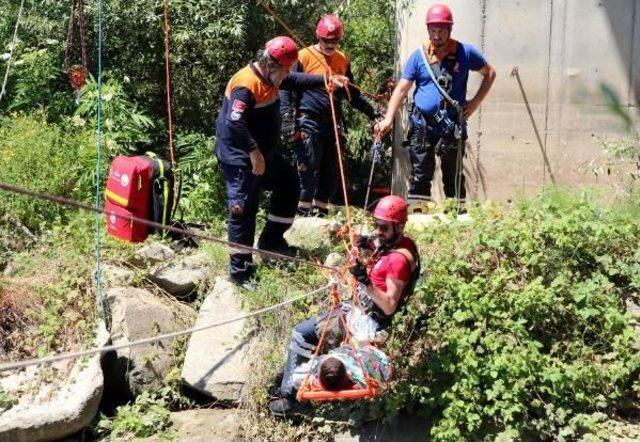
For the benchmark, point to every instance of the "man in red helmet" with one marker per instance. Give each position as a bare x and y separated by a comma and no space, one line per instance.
247,134
382,291
438,124
316,152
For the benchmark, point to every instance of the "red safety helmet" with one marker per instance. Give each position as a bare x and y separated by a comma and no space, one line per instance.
283,50
329,27
439,13
391,208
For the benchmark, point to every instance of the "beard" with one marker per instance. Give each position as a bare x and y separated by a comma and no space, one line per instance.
275,79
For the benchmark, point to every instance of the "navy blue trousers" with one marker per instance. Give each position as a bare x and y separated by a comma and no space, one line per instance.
317,159
243,196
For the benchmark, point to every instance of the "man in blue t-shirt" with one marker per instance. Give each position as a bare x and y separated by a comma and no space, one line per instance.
436,126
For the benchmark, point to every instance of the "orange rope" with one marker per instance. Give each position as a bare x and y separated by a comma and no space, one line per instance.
335,304
168,79
339,152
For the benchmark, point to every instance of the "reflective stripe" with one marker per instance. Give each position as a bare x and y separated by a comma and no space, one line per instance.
115,198
321,204
236,251
279,219
414,197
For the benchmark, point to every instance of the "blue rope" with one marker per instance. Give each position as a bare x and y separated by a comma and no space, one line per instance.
98,199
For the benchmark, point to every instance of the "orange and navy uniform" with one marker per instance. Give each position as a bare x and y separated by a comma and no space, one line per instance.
316,101
249,117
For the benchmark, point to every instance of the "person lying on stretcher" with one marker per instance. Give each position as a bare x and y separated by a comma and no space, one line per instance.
348,367
383,284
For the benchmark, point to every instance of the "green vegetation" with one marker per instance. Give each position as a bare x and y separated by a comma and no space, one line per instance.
519,327
147,416
517,330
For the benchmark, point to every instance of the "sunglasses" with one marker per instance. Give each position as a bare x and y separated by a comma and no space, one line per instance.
330,42
382,228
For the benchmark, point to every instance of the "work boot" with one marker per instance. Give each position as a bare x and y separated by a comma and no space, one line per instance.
271,239
303,212
284,408
243,281
277,245
319,212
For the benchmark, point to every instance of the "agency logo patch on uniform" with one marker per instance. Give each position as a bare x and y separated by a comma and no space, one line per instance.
237,108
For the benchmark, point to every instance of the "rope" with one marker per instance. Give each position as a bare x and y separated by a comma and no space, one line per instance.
335,305
377,147
100,210
76,7
13,46
98,275
167,66
188,331
339,150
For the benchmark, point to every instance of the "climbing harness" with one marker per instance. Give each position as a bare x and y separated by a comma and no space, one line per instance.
459,125
77,72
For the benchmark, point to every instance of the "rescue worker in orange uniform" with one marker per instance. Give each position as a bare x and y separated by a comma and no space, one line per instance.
309,115
247,135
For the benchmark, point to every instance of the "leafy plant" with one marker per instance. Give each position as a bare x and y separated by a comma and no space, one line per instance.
203,188
147,416
7,400
126,128
44,157
519,324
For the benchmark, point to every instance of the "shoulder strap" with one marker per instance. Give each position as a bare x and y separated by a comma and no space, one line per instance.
443,93
408,256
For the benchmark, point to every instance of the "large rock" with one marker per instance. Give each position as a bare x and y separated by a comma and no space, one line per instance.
182,277
405,428
217,360
420,222
154,253
59,408
114,276
310,233
137,314
207,425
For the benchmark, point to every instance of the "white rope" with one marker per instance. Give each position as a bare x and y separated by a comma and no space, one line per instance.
108,348
13,45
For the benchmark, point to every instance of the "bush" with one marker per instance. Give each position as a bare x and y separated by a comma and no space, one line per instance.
203,188
126,129
519,324
44,157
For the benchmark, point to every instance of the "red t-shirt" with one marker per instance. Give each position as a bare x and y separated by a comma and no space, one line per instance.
392,264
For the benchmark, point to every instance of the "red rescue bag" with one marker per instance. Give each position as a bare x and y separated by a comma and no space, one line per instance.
124,228
128,193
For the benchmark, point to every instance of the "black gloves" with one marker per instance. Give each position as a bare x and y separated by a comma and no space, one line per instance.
360,273
288,126
365,242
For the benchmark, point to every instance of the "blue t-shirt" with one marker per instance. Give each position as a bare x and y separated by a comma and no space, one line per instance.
426,96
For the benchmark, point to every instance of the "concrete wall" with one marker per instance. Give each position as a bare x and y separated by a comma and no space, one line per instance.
564,50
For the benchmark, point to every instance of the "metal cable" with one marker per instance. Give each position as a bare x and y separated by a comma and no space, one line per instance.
79,205
107,348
